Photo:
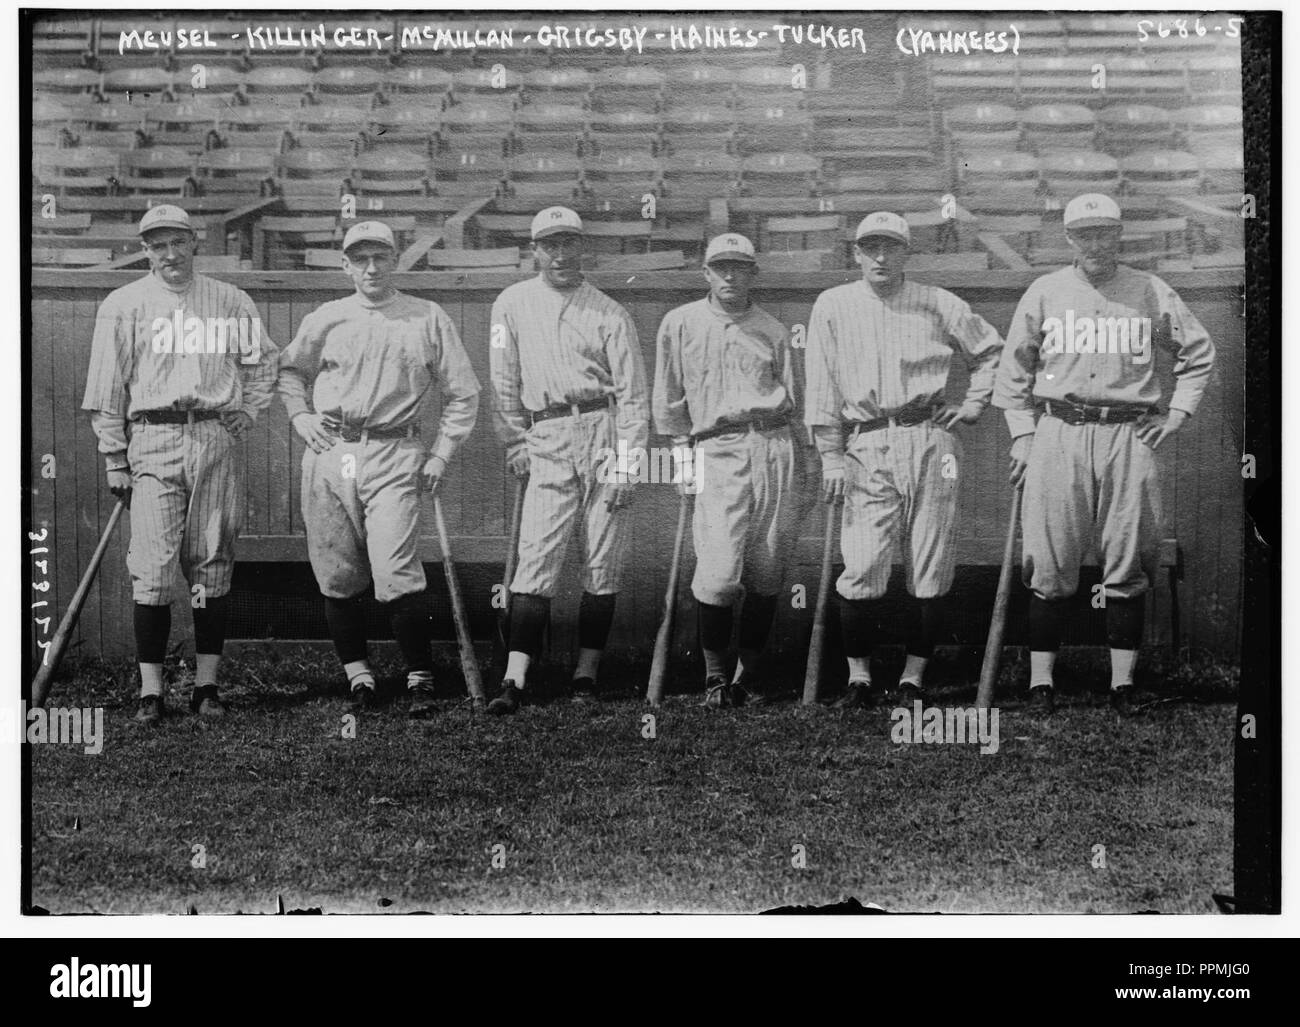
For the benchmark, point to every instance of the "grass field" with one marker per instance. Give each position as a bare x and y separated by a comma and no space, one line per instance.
590,815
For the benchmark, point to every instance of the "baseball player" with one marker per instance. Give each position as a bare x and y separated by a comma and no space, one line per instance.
878,356
1079,355
372,361
179,369
725,384
570,389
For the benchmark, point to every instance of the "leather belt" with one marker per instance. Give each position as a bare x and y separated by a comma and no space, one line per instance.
570,409
171,416
771,423
904,417
1084,413
355,433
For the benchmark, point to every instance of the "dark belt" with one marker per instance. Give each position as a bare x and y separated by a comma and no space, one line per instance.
355,433
570,409
174,416
905,417
1084,413
771,423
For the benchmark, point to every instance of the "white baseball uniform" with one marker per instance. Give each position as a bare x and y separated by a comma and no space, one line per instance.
869,359
714,369
373,366
1095,478
560,347
158,348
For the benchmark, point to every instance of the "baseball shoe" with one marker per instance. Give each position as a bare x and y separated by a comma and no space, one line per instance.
150,710
1121,700
510,699
363,699
422,705
205,702
1042,700
746,692
717,693
583,690
860,695
909,692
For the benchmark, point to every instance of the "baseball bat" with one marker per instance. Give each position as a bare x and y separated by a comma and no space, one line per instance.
993,647
54,654
813,670
512,560
663,641
468,664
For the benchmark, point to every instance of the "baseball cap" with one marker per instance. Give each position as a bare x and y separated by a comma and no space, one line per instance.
369,231
882,222
1092,210
166,215
554,220
730,247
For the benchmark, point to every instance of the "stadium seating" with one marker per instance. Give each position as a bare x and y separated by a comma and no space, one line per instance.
549,129
1059,126
780,174
324,173
700,174
191,125
391,172
1163,172
66,83
411,125
627,88
558,86
983,126
627,133
323,126
161,170
83,170
1128,127
348,85
237,170
1067,173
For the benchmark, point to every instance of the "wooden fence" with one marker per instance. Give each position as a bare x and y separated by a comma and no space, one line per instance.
1200,472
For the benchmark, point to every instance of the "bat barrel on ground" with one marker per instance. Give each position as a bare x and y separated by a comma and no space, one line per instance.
997,626
816,643
663,641
468,663
54,654
512,561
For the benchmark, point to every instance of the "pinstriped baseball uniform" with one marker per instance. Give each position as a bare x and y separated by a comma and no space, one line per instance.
713,368
566,346
373,366
870,357
1094,478
187,488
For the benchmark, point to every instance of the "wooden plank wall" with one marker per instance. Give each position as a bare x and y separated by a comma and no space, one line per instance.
1200,475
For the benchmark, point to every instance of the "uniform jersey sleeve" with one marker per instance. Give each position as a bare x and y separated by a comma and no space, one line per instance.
1192,348
459,385
980,346
108,378
1014,386
508,415
823,401
258,368
298,365
627,368
671,412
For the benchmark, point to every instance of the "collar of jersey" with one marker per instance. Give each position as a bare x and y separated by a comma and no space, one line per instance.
370,304
716,310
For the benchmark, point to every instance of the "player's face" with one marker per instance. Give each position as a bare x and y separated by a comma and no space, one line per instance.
370,266
559,258
171,254
730,281
1098,249
882,259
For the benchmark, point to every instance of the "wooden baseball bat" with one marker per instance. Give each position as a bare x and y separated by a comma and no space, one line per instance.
468,663
813,669
663,641
512,561
54,654
993,647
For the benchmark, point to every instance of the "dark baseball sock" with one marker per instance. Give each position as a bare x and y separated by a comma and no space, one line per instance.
595,618
925,626
1045,616
756,615
152,626
1124,619
412,627
210,626
858,626
715,627
528,617
347,623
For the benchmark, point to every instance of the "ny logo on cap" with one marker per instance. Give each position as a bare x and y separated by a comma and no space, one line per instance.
732,241
556,215
1090,205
